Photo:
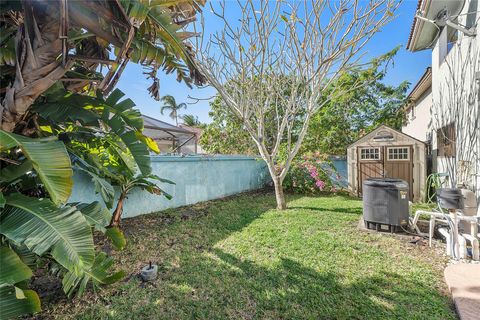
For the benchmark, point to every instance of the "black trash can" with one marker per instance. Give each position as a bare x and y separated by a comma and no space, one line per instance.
385,203
450,198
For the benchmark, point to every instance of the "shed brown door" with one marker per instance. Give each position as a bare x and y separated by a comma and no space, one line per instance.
370,164
399,164
385,162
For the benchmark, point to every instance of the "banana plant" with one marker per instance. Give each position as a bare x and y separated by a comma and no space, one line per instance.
151,32
52,119
129,183
44,227
109,146
110,128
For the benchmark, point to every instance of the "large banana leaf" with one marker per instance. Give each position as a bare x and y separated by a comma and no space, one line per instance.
117,237
98,274
12,172
2,201
124,122
146,53
96,215
13,269
159,40
155,20
99,217
123,109
102,186
27,256
13,300
74,107
42,227
63,106
168,32
49,159
137,148
149,142
149,54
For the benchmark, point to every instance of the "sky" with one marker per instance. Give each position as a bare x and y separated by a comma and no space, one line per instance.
407,66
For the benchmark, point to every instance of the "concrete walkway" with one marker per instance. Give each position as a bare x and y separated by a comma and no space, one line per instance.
463,280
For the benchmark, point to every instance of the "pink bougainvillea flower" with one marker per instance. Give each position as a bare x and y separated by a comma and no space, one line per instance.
320,184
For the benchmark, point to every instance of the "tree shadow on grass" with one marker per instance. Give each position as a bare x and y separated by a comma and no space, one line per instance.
293,291
199,279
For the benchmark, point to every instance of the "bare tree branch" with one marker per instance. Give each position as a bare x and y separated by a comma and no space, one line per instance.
277,60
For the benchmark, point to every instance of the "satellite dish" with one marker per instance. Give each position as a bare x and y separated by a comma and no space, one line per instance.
437,8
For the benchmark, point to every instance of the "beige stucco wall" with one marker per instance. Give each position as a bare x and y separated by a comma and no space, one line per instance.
455,98
419,118
419,161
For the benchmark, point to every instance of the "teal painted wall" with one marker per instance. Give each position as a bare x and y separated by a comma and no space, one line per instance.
197,178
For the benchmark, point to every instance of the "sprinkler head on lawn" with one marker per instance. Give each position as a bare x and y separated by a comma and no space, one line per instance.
149,272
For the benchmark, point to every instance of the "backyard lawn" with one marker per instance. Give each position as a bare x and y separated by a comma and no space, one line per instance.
238,258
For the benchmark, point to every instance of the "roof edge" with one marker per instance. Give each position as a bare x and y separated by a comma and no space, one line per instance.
419,89
384,126
413,27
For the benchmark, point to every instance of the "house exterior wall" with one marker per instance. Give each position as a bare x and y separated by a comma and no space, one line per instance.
197,178
455,99
419,161
419,118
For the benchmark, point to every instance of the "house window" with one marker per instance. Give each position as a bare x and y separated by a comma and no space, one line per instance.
370,154
398,153
446,137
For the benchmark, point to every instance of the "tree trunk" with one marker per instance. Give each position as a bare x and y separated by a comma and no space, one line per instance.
117,214
276,178
38,47
279,196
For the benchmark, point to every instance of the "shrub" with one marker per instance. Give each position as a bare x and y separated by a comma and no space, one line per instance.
312,173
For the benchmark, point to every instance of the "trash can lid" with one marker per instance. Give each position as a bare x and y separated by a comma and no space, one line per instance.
449,193
385,182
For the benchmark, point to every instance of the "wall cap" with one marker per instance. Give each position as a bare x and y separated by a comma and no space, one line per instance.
193,158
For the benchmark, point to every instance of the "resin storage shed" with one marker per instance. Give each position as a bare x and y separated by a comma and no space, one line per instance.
387,153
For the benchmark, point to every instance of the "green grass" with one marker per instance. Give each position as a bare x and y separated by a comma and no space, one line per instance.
240,259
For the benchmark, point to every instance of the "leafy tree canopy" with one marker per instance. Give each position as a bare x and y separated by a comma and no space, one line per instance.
225,135
340,122
351,115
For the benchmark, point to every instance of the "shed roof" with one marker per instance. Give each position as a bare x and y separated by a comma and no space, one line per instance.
376,130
